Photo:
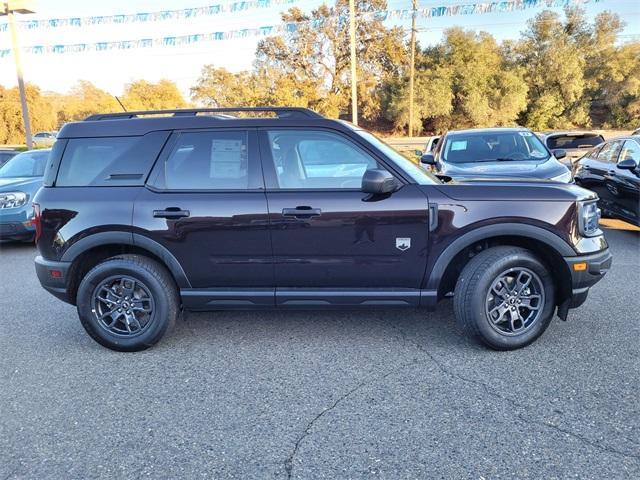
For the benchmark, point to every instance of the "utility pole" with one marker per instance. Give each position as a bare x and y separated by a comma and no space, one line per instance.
354,80
412,67
9,8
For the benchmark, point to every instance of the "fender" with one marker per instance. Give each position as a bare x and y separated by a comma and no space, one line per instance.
501,229
133,239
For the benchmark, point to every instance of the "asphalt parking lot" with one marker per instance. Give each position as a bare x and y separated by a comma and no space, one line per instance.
381,394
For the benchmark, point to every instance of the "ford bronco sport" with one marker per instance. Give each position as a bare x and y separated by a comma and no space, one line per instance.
143,214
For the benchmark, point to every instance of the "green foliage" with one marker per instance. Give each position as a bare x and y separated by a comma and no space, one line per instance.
41,113
144,95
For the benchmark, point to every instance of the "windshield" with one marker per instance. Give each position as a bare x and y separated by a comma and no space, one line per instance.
27,164
472,147
574,141
418,175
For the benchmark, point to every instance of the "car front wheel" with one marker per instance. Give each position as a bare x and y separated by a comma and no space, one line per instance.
505,297
127,303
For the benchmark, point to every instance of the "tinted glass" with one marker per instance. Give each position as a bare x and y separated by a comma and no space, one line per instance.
476,147
609,152
214,160
109,161
317,159
27,164
420,176
630,151
574,141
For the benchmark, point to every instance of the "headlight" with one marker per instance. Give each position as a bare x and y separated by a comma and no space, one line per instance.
588,218
12,199
564,177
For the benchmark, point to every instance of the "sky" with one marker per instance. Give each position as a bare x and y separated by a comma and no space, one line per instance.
112,70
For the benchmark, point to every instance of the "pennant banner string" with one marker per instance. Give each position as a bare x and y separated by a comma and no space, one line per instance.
461,9
238,6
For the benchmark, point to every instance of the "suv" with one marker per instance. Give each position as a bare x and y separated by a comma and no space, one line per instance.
495,152
142,215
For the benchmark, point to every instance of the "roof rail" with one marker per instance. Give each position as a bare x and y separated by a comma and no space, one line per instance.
281,112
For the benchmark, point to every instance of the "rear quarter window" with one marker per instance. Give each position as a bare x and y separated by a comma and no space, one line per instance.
109,161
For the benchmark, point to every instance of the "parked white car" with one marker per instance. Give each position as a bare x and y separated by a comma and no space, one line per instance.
44,139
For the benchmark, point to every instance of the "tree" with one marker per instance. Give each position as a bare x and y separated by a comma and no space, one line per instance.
554,62
41,114
463,82
144,95
309,65
83,99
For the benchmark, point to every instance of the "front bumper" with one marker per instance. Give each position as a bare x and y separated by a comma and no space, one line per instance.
586,271
53,277
16,230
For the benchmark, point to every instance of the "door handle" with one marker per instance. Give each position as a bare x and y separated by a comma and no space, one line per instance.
301,212
171,212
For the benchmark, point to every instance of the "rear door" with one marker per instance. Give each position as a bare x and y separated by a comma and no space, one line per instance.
205,203
332,243
624,185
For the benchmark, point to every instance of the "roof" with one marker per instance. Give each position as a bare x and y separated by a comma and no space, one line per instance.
572,133
490,130
142,122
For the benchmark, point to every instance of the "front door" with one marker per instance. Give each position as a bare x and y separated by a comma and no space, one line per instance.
332,243
205,203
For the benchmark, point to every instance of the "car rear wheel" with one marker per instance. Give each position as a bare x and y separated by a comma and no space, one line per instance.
505,297
127,303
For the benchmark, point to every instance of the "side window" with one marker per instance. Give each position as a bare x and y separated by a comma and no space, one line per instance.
211,160
307,159
609,152
109,161
630,151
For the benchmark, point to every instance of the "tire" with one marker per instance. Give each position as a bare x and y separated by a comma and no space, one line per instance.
486,290
140,321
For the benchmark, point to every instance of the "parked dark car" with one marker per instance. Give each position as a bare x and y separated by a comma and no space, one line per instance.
140,217
20,179
576,144
611,170
496,152
6,155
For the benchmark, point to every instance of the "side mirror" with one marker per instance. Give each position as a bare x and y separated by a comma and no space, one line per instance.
628,164
418,153
559,153
377,182
428,159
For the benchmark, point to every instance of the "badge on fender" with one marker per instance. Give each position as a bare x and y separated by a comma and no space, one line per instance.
403,244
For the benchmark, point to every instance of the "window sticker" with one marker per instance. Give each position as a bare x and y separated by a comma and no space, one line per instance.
458,145
525,134
226,158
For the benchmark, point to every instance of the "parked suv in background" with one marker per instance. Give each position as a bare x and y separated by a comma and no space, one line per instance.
496,152
20,179
612,170
142,215
576,144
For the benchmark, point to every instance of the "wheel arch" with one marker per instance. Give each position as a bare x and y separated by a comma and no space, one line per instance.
549,247
91,250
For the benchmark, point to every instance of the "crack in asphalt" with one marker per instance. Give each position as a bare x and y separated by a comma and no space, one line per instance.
288,464
452,373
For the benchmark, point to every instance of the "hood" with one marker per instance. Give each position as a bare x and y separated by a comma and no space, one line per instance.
23,184
525,169
510,189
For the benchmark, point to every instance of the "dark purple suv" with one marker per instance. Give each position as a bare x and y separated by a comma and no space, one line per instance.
143,214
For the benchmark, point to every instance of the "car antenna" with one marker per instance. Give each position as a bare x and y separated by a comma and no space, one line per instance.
124,109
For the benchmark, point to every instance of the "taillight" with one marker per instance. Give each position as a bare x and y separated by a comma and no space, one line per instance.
36,220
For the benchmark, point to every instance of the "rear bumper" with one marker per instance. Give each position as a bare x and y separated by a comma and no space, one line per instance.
53,277
586,271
